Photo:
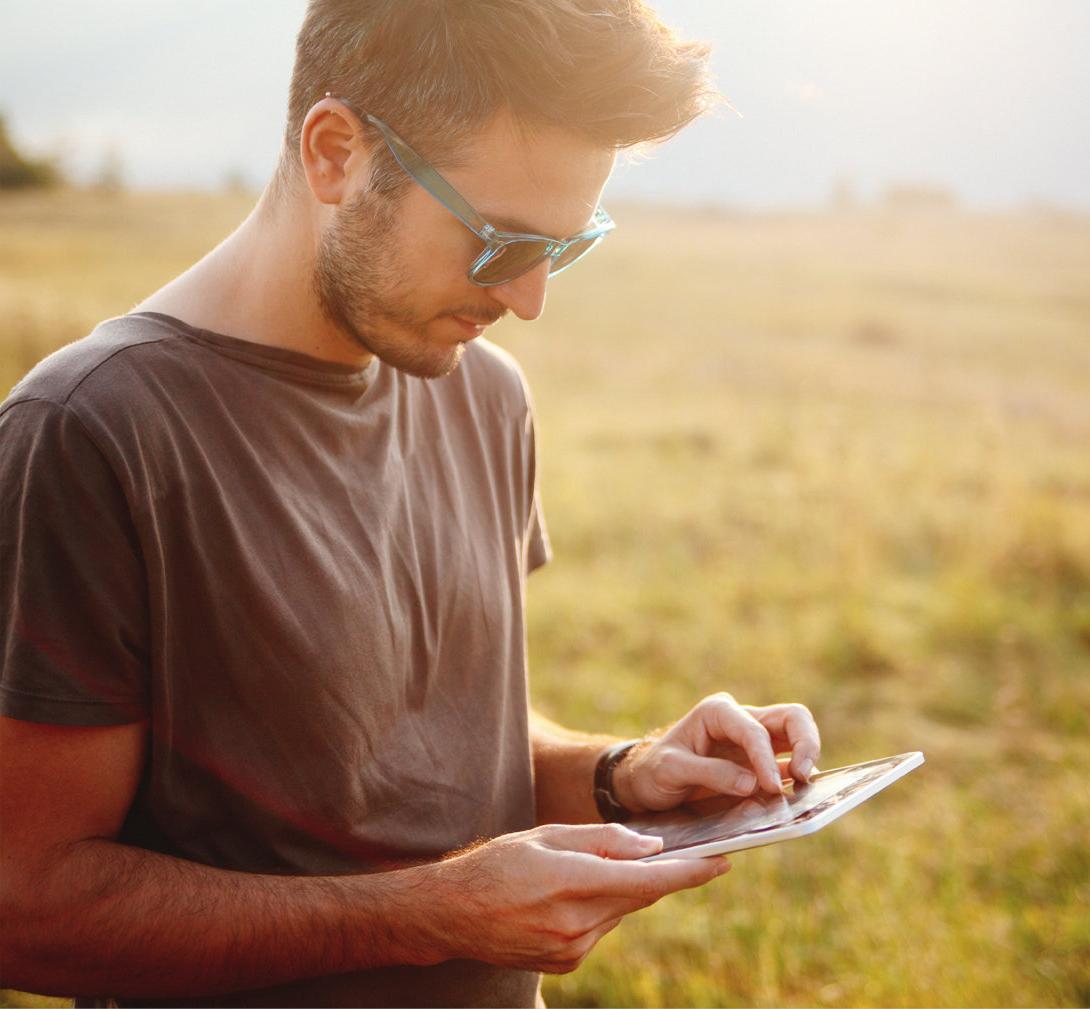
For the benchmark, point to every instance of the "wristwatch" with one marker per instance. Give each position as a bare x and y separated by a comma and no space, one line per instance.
609,809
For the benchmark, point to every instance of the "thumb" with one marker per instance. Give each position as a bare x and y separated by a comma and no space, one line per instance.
606,840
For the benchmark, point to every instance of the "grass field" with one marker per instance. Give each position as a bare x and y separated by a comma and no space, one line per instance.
839,459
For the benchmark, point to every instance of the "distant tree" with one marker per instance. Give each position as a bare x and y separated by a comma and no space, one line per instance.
17,172
919,196
844,195
111,172
235,183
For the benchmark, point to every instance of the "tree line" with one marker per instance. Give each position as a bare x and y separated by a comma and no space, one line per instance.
20,172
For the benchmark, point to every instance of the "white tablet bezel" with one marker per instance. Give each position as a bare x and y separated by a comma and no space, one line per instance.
905,762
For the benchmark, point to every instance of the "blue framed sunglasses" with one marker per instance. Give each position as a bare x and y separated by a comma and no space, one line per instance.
506,254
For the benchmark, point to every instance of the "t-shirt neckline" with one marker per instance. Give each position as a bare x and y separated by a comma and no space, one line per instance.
279,359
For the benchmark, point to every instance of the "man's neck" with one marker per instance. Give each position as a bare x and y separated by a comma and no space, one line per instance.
256,285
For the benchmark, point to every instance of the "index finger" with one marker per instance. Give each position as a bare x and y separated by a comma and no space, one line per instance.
727,721
794,724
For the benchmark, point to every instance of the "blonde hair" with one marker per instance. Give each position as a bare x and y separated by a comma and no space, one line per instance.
438,70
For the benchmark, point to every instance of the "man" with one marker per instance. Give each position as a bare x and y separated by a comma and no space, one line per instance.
263,544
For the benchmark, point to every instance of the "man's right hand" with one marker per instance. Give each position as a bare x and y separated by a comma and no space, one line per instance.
84,912
541,899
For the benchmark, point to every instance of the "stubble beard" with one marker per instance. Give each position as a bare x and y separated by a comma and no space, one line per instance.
359,291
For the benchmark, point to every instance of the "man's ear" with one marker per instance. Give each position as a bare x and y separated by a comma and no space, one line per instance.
332,150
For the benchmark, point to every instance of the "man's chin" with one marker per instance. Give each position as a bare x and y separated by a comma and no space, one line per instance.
427,363
446,366
421,359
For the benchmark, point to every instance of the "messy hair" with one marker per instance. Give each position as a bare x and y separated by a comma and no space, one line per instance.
438,71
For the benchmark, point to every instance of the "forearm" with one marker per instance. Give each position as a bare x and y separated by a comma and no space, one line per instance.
110,919
564,771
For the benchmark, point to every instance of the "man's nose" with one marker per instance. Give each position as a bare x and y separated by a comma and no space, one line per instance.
525,295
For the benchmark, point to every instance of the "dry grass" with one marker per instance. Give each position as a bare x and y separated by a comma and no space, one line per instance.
836,459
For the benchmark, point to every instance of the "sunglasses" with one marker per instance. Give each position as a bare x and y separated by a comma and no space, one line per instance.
506,254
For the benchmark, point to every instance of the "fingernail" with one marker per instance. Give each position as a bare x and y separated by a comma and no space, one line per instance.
745,782
724,866
650,841
805,768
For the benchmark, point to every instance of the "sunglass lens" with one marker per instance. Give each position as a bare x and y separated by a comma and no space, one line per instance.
573,252
511,261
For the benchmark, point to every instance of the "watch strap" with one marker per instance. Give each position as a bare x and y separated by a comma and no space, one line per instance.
609,808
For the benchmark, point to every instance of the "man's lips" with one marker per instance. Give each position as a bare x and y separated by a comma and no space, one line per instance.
470,326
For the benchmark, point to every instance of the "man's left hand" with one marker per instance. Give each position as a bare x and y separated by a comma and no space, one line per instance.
720,747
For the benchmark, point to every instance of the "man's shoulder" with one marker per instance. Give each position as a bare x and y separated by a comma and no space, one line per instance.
94,368
495,372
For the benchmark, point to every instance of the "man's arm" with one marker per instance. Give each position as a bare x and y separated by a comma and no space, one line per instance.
86,914
564,771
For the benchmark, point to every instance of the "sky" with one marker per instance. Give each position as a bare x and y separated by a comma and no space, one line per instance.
986,98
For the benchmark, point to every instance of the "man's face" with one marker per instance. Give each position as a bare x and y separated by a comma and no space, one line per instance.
394,280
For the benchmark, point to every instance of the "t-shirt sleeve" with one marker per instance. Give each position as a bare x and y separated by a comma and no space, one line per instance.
539,550
73,596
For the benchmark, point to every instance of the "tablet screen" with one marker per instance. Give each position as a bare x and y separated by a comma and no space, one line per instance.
725,818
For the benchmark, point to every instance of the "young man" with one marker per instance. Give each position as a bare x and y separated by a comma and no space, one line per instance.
263,544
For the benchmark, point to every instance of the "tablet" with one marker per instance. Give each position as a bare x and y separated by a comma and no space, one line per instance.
727,823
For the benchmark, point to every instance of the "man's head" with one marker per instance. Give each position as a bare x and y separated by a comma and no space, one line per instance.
521,104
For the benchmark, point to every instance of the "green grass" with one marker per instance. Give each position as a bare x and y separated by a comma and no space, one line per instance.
835,459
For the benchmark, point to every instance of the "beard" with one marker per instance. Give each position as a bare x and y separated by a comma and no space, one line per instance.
362,292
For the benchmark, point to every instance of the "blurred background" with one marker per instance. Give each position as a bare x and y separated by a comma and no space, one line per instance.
814,425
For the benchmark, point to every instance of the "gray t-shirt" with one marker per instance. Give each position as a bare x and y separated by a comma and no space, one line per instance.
309,578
